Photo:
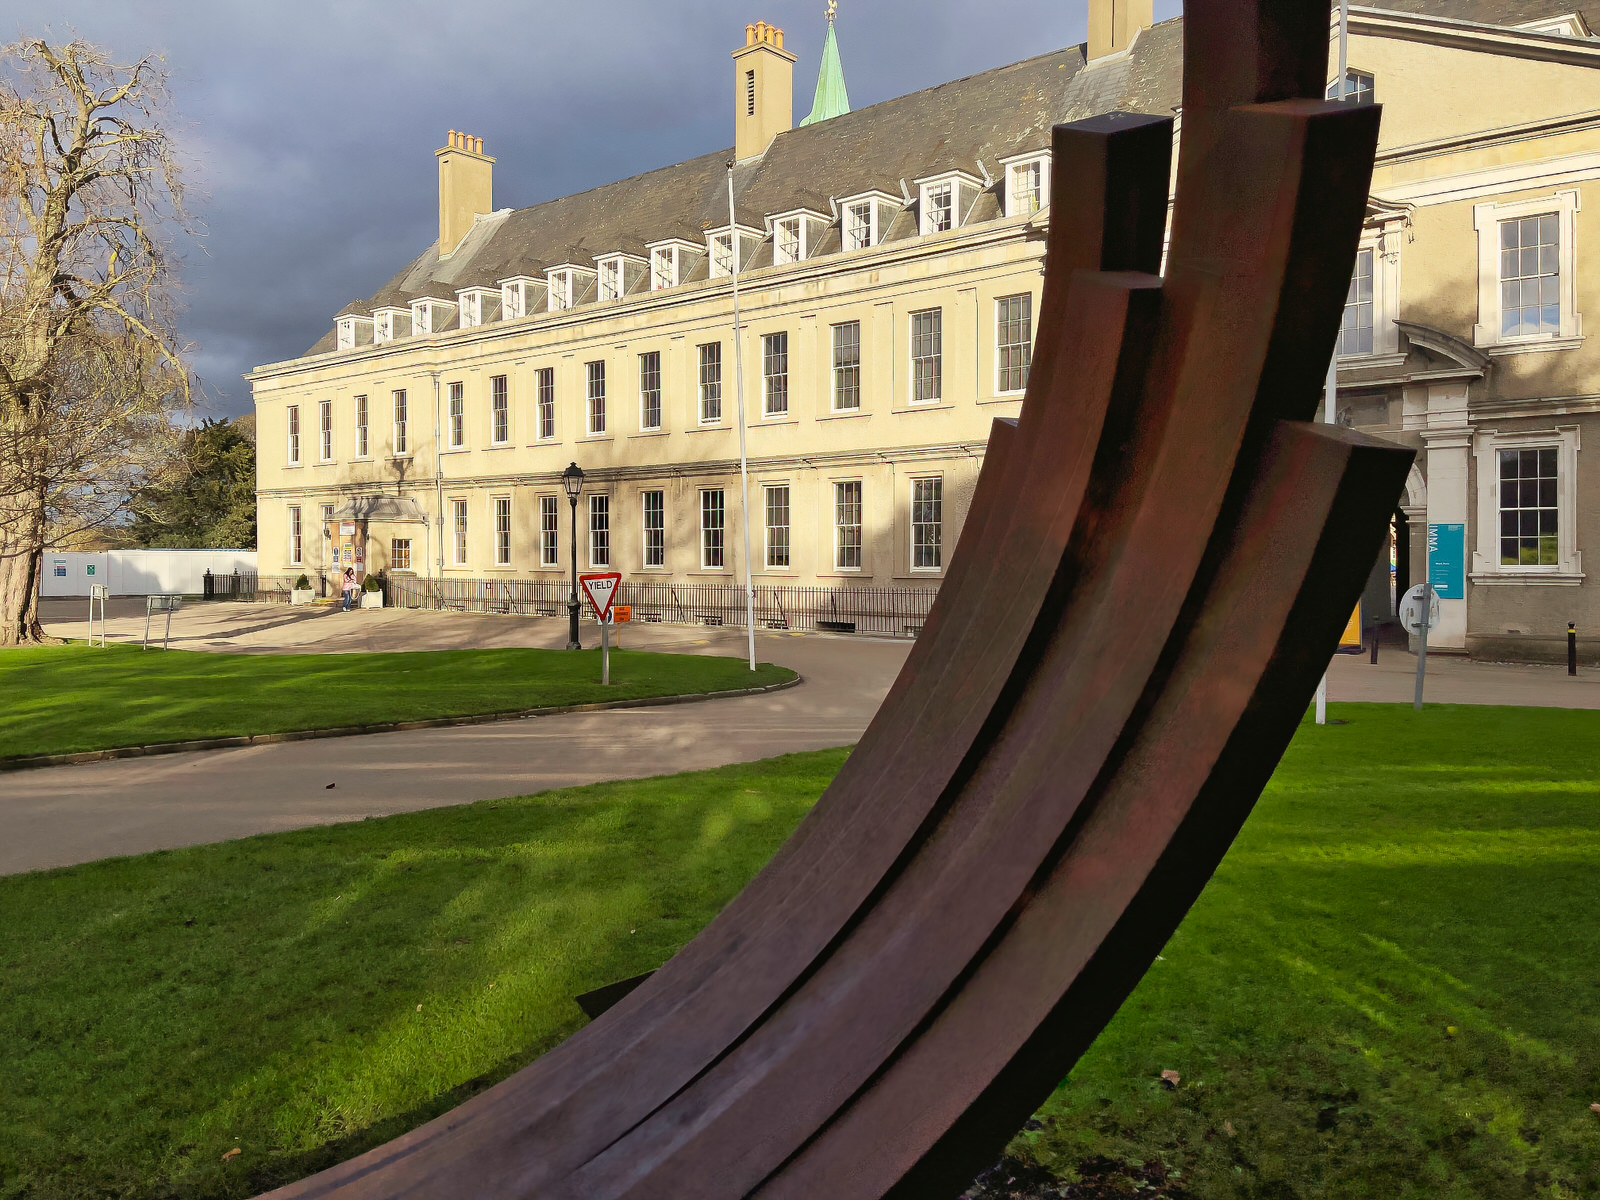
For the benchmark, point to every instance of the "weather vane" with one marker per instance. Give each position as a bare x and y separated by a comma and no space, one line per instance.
833,7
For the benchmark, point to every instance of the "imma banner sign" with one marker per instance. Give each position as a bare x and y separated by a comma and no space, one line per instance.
1447,560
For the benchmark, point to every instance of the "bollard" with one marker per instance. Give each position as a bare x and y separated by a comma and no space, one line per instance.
1376,630
1572,647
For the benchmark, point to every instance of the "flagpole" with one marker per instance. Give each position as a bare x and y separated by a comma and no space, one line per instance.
744,463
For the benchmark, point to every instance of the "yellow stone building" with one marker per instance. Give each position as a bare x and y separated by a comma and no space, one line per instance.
889,274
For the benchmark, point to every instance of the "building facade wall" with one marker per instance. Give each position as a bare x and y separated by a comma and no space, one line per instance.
1455,161
887,442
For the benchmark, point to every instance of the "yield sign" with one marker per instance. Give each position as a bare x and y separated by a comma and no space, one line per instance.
600,589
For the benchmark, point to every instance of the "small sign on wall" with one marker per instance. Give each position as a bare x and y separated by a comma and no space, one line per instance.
1447,559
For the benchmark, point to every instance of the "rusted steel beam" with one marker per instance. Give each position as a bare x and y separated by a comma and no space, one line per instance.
1159,557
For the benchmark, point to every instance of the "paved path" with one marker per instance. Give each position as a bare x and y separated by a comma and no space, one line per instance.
1451,679
61,815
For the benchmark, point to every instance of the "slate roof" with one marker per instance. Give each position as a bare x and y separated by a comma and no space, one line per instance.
987,116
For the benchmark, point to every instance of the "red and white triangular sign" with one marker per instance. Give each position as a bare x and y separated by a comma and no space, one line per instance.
601,590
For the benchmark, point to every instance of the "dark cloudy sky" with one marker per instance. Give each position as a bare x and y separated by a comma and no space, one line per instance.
310,127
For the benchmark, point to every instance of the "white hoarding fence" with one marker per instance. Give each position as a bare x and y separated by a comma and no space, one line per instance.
140,572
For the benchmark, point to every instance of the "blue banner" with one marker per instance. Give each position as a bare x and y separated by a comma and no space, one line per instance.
1447,560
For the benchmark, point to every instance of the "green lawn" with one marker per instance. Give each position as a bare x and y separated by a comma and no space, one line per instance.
60,699
1389,990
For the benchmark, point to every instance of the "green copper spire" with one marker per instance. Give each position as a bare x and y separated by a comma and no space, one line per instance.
831,99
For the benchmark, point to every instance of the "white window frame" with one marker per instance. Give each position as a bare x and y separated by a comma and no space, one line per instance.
858,233
594,398
1016,194
912,525
860,526
1486,219
544,390
297,546
325,431
959,191
348,336
838,379
599,523
456,414
292,425
671,261
500,509
788,240
549,531
775,374
937,356
394,554
720,530
767,526
401,443
474,302
363,426
645,424
1486,447
390,323
499,410
520,296
999,346
645,531
566,286
430,315
611,280
703,386
458,533
836,368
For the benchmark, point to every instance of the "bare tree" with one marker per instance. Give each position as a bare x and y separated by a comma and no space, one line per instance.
91,369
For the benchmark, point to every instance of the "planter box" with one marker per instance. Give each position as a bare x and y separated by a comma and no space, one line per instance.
302,595
371,599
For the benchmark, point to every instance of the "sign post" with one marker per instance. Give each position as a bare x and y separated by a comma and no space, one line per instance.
601,589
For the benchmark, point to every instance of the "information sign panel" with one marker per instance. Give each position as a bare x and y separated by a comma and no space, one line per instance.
1447,560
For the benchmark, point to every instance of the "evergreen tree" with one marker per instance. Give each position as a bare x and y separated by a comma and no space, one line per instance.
209,501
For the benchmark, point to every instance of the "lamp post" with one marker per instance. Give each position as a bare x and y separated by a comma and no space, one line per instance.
572,481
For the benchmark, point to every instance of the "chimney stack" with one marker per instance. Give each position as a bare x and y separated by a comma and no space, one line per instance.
466,188
1113,24
763,90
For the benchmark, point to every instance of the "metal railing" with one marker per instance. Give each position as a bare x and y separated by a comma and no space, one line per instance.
895,612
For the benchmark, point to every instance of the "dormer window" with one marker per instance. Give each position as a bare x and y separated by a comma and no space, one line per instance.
1359,88
671,261
478,306
569,285
720,243
390,324
618,275
860,225
786,240
1027,184
865,219
521,296
430,315
795,234
353,331
945,200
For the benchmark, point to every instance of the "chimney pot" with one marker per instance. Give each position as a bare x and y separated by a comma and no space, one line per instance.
749,35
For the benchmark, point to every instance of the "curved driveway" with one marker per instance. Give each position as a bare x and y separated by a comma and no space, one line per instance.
60,815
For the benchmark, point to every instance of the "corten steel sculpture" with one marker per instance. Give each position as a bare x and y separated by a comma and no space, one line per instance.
1159,558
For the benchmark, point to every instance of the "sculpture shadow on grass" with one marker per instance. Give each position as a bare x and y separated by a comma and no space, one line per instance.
1160,555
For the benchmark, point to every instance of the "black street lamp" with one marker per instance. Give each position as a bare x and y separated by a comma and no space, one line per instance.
572,481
